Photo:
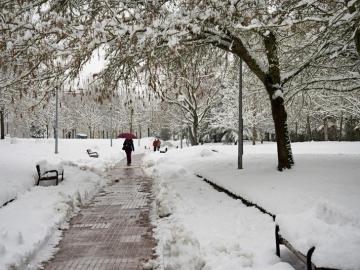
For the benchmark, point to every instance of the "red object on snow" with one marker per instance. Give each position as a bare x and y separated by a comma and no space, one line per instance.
127,136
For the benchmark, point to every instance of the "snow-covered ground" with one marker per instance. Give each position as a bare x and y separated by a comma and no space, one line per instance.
316,204
29,225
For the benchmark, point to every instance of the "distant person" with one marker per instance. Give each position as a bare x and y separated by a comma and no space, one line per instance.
158,144
128,147
155,144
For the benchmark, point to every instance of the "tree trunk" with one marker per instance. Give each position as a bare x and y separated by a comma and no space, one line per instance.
254,135
2,125
193,136
308,128
357,40
326,134
341,128
285,158
193,130
131,119
272,84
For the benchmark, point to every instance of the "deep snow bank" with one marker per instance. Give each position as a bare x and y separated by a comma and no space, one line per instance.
315,202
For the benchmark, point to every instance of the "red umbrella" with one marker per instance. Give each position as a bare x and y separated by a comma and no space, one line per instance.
127,136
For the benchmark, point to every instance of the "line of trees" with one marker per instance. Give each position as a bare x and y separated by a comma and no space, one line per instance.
290,46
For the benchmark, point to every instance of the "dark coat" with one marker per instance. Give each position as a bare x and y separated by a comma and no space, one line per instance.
128,145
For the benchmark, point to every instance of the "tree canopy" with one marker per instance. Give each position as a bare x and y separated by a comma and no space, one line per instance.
288,45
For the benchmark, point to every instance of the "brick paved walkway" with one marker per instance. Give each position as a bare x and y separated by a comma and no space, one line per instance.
114,231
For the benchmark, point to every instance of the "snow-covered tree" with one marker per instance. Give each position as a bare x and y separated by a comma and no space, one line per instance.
256,113
278,40
191,82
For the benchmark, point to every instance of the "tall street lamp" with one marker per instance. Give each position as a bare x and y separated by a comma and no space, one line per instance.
181,98
56,120
111,126
240,131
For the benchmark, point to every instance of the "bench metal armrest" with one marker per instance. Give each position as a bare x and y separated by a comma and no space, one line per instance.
52,171
92,154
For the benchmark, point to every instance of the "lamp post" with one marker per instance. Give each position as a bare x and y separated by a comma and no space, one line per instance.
7,123
181,136
56,120
2,121
139,135
181,98
240,131
111,126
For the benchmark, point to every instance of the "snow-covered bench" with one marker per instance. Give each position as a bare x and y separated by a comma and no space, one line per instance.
304,258
49,175
92,154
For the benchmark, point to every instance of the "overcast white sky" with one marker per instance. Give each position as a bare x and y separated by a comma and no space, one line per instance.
95,65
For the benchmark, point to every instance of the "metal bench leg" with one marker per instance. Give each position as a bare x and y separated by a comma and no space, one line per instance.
308,258
277,240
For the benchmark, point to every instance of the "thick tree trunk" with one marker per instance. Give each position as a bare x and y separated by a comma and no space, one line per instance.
272,84
2,125
285,157
193,130
193,134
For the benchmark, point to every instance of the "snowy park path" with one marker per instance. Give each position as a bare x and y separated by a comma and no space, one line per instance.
114,231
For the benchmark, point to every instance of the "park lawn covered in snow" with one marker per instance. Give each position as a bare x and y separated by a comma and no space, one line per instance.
29,226
316,204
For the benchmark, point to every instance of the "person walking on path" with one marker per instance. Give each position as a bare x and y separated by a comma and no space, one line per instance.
155,144
128,147
158,144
